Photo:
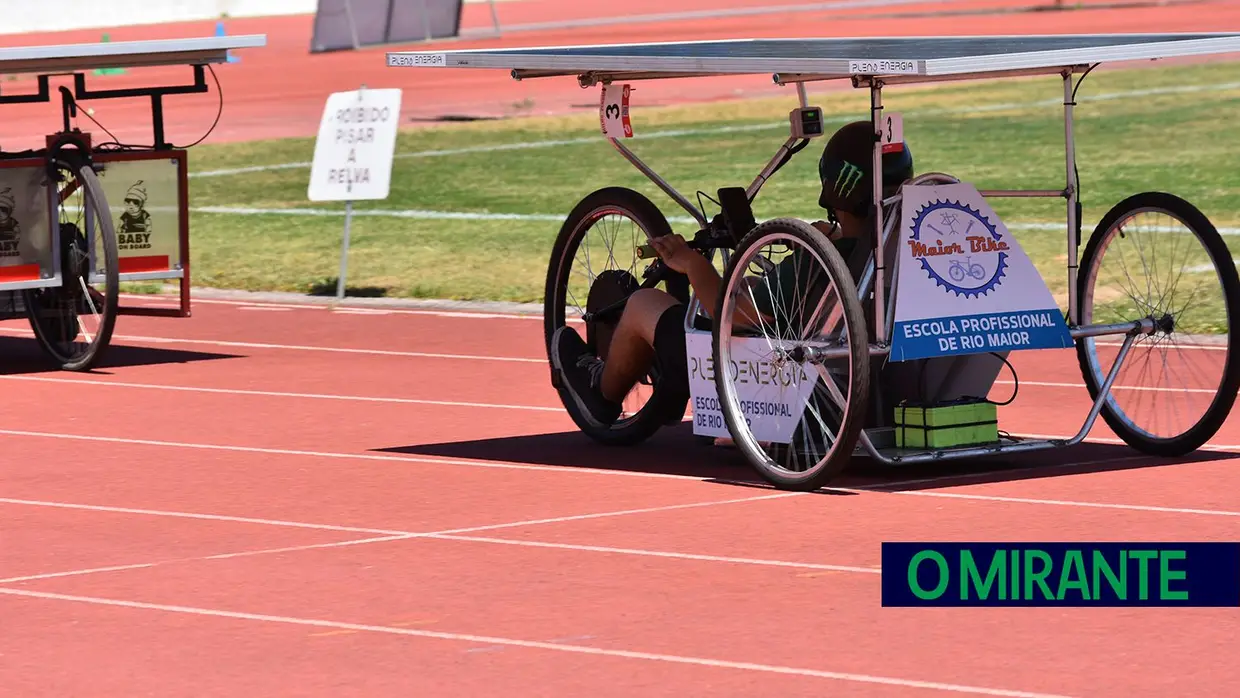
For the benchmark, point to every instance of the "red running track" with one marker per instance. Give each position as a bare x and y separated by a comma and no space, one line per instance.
292,500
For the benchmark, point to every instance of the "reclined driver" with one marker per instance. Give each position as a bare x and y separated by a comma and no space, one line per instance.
651,333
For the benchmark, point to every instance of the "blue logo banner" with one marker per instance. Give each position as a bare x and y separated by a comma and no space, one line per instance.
974,334
1061,574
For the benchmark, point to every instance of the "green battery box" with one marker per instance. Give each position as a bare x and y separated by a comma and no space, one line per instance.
946,425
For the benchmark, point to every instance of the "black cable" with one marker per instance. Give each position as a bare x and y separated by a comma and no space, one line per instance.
1076,170
1015,382
220,112
130,146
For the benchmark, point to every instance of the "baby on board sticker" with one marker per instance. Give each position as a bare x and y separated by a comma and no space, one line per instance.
10,228
135,223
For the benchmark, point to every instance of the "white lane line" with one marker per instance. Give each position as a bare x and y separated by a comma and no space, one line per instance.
302,347
436,215
408,460
497,464
203,517
1030,470
270,393
1133,388
532,644
481,310
446,403
387,536
655,553
222,556
1111,441
1065,503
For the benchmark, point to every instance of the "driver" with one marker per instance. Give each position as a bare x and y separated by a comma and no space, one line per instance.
650,332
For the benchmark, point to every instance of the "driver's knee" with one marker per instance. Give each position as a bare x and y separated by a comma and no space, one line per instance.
642,312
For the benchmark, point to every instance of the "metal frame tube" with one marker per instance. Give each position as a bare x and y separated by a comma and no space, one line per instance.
1104,391
1012,447
1024,193
876,120
820,351
659,181
756,186
1073,191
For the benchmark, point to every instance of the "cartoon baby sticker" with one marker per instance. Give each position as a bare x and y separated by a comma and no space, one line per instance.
10,228
135,223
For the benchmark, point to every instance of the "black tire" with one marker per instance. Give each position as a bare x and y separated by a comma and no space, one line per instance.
1214,416
658,410
56,333
858,393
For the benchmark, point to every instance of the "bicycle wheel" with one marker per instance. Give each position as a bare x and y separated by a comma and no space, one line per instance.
587,273
791,328
1156,256
74,321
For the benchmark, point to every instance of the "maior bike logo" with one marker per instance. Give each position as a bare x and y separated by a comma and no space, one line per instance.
959,248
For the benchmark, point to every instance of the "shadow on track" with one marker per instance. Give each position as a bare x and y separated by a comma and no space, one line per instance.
676,451
21,355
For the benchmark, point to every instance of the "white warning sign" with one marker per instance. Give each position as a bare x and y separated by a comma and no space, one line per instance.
353,153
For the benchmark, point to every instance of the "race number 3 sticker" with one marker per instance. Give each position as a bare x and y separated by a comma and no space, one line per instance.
613,112
892,132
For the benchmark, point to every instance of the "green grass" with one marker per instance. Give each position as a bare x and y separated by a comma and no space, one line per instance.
1183,143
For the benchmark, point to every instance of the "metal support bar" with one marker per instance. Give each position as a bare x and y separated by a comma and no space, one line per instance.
593,78
876,120
1010,447
43,95
1024,193
1104,391
1073,188
865,80
660,182
81,93
157,94
817,352
756,185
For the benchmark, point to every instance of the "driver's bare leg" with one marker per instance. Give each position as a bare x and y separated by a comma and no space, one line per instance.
632,344
597,387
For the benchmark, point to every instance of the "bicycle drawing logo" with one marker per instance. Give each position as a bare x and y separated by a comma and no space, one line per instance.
959,248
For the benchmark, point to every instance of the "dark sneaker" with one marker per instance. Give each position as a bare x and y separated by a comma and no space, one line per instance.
580,373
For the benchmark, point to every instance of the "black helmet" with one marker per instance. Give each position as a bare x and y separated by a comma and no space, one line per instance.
845,168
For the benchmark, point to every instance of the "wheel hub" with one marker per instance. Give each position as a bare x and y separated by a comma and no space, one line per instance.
1164,324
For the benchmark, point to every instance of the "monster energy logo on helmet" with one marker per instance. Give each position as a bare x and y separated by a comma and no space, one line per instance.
846,186
846,180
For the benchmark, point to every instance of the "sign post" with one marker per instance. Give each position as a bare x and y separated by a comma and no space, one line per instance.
353,154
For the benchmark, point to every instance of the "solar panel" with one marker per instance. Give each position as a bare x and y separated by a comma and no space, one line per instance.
69,58
924,56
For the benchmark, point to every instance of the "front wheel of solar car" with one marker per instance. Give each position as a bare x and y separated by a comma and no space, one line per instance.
1156,257
791,352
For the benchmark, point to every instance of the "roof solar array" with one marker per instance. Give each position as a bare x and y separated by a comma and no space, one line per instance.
69,58
926,56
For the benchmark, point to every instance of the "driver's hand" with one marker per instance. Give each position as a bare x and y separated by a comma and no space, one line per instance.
831,230
676,253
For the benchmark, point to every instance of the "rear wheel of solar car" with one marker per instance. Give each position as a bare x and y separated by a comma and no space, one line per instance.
595,266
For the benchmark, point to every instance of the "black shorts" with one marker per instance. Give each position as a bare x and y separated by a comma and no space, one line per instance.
670,359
